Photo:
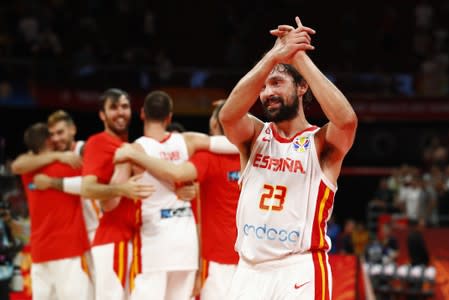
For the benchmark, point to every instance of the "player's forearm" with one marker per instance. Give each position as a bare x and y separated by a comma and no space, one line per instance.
29,162
101,191
332,101
165,170
246,92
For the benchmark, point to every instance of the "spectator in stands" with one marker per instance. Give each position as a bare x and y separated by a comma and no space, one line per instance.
417,249
360,238
409,197
442,202
389,244
333,231
346,245
429,200
383,197
9,247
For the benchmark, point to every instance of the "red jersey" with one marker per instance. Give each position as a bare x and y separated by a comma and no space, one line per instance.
99,154
218,176
118,224
57,224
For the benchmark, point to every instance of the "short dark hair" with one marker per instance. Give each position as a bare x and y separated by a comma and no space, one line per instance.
157,106
297,79
218,105
35,137
113,95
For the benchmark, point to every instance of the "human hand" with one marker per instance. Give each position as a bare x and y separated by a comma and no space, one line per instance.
291,40
187,192
133,189
42,182
123,153
70,158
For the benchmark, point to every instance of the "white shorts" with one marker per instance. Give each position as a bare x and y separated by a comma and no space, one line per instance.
112,265
66,278
175,285
218,281
299,276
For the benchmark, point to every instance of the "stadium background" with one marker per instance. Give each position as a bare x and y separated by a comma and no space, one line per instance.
389,58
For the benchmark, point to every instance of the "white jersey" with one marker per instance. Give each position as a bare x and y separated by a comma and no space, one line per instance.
285,199
168,231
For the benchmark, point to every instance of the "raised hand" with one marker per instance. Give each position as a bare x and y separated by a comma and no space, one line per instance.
290,40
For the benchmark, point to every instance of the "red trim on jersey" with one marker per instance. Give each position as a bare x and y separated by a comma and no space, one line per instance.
165,138
204,270
120,261
85,266
321,275
324,202
136,264
282,139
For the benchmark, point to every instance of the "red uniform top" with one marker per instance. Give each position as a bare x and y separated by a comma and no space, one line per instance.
118,224
57,224
218,176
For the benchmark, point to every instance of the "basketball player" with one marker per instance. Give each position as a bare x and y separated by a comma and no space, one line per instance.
58,235
290,171
62,130
218,175
169,239
112,246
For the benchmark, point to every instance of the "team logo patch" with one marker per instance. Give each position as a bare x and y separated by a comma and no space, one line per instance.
301,143
233,176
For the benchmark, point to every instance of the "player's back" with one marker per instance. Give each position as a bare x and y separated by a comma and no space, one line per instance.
174,149
168,230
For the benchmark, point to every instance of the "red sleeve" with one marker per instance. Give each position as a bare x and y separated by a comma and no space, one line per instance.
98,156
201,161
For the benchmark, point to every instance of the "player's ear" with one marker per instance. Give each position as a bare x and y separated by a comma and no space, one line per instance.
169,118
102,115
302,88
142,114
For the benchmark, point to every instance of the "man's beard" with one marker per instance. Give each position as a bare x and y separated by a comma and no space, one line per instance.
285,112
117,131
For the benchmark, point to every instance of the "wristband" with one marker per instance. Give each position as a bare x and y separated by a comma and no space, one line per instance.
72,185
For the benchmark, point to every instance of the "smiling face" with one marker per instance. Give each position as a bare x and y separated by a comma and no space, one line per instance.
62,135
279,97
116,115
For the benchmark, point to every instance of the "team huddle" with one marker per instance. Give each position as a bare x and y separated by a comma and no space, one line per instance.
115,217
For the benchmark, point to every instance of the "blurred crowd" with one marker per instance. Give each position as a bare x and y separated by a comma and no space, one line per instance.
388,47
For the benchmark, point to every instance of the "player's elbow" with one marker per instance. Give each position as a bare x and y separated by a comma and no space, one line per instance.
16,168
350,122
225,118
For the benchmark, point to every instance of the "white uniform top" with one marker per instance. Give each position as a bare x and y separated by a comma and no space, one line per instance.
169,238
285,200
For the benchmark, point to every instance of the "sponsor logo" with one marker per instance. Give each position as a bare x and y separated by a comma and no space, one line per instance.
233,176
174,155
300,144
265,232
278,164
267,138
298,286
